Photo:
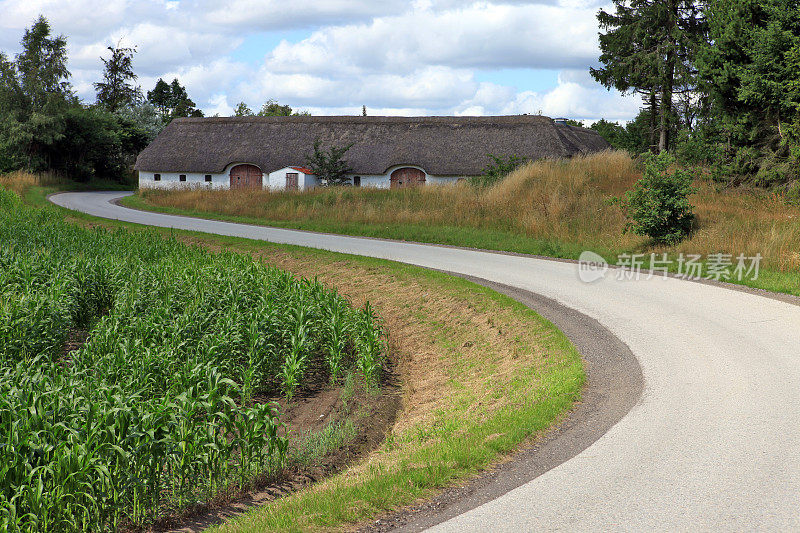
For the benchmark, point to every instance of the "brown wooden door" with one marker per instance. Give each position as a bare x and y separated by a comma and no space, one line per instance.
291,181
406,177
246,177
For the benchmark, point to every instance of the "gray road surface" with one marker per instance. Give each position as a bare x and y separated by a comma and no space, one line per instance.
714,443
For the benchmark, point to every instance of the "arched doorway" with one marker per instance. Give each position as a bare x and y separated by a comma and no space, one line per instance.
246,177
406,177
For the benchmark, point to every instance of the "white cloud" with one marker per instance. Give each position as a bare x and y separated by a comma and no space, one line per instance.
575,101
482,35
218,105
281,15
398,57
202,82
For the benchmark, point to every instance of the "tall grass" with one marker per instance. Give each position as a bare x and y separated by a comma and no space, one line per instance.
20,181
564,204
154,411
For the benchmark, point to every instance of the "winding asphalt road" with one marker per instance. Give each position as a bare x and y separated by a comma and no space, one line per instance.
714,442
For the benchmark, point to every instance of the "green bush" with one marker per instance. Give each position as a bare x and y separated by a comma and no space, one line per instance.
698,148
499,168
745,162
658,205
774,170
793,193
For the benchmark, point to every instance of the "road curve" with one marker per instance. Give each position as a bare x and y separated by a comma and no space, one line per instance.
713,444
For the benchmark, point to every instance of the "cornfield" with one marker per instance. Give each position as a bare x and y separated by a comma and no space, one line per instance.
156,410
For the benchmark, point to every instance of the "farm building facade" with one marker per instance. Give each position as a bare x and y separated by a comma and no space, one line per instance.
269,152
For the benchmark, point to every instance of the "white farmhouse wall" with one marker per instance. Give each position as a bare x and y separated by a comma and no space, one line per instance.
307,181
275,180
369,180
383,181
442,180
171,180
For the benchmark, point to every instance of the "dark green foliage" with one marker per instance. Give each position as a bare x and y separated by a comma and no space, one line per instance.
793,193
172,100
633,137
117,90
721,75
34,92
498,169
701,146
648,47
273,109
161,98
97,144
658,205
43,127
750,70
329,166
155,411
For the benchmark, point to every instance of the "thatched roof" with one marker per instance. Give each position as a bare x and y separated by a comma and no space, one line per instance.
444,146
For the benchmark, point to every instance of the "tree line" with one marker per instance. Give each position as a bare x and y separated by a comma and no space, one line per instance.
719,81
45,127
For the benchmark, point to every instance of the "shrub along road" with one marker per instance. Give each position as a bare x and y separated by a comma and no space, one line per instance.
714,442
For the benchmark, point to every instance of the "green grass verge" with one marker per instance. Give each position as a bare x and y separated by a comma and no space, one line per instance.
457,441
487,239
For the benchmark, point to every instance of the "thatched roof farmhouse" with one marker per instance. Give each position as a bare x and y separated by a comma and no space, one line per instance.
386,151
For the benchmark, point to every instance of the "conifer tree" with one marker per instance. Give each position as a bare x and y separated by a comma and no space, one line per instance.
648,47
117,89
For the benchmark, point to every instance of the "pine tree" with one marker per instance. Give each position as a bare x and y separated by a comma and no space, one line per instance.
117,89
752,71
160,97
648,48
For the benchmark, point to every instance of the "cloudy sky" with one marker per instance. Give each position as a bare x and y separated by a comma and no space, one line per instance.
419,57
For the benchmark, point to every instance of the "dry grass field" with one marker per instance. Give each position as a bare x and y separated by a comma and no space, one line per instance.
550,207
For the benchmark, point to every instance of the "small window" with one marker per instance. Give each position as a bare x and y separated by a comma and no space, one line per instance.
182,177
156,177
356,181
208,178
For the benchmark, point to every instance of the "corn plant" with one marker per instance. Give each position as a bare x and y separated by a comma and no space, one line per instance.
154,411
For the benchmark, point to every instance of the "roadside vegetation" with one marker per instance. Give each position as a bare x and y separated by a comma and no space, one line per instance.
550,208
134,370
480,374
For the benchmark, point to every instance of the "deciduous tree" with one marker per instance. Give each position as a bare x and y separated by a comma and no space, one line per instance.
242,110
172,100
329,166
